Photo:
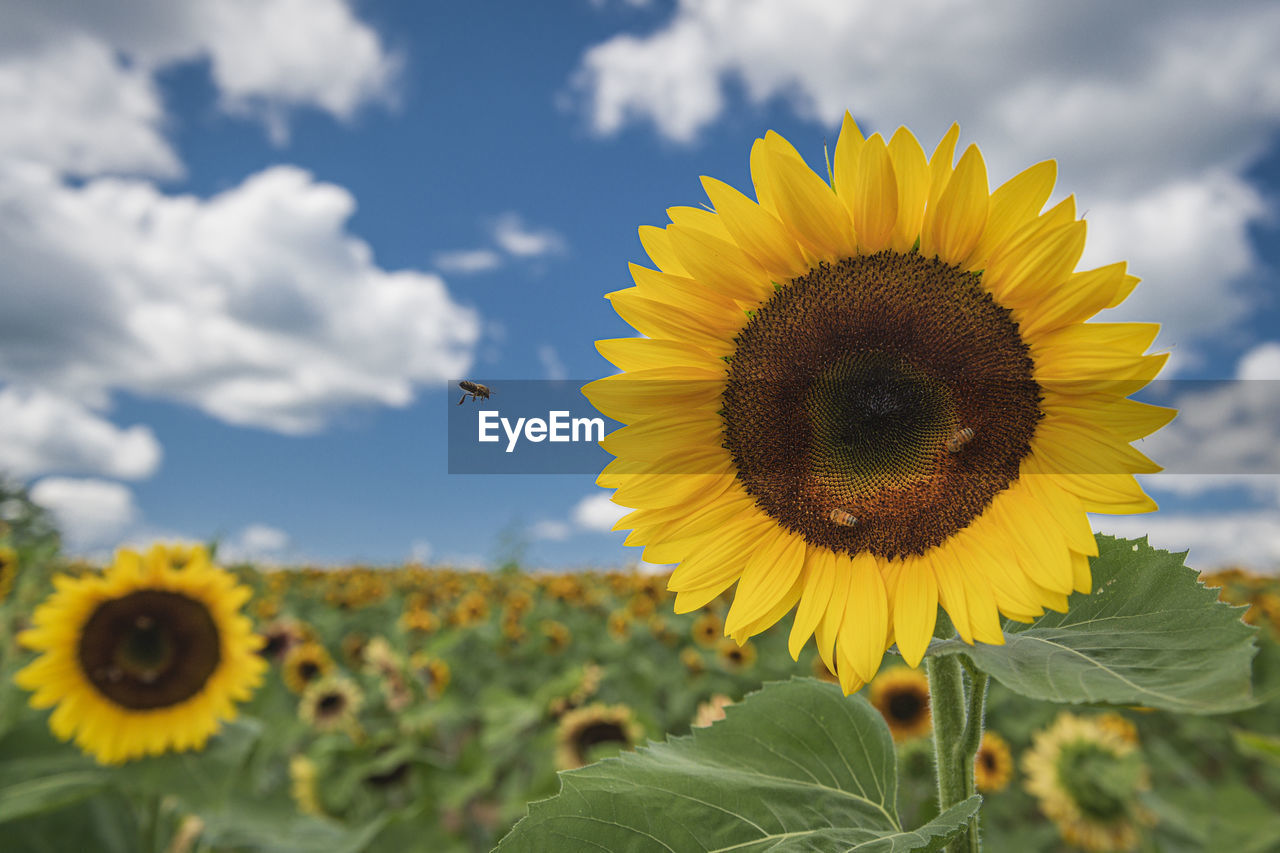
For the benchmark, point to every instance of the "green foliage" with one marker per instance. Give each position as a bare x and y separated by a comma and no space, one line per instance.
796,766
1148,635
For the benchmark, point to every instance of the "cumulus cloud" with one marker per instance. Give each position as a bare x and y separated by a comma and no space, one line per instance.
256,305
552,365
549,530
42,433
597,512
91,513
1250,539
265,56
1152,108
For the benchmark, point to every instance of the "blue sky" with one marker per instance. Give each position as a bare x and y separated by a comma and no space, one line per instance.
250,243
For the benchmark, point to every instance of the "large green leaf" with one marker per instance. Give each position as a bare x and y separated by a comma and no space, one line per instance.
1149,634
795,766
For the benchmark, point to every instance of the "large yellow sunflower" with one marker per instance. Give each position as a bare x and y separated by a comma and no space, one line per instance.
146,657
873,396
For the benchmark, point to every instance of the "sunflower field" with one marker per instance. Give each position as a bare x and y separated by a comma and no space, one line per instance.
417,708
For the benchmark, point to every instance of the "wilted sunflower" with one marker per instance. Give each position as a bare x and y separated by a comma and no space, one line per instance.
143,658
842,391
330,703
901,696
1087,779
993,765
595,732
304,664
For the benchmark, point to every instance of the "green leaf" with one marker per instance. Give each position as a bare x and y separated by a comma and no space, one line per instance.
48,792
1266,747
1150,634
795,766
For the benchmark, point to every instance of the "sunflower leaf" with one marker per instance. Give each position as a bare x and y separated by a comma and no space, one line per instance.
1150,634
795,766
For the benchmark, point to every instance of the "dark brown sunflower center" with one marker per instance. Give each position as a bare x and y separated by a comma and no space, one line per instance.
331,704
879,404
907,706
150,649
988,760
595,734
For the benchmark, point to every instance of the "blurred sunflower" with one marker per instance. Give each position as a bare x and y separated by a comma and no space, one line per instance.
855,382
1087,778
993,765
735,656
330,703
433,672
706,629
8,570
279,637
557,635
594,732
693,661
144,658
901,696
304,664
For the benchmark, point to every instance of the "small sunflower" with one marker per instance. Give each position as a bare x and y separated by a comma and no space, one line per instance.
620,625
433,672
866,398
145,658
707,629
901,695
304,664
594,732
1087,778
279,637
993,765
472,609
694,662
734,656
557,635
330,703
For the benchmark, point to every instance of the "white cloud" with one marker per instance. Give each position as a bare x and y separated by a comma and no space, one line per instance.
597,512
1262,363
1152,108
1249,539
71,105
256,543
265,56
552,531
516,238
466,261
42,433
551,363
420,551
92,514
255,305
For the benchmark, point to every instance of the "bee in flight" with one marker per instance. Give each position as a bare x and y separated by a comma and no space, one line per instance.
474,390
842,517
959,439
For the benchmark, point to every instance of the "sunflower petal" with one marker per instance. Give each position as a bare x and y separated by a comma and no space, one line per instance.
915,609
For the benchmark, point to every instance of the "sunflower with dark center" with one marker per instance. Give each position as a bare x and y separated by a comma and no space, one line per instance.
304,664
734,656
706,629
279,637
993,765
901,696
144,658
867,398
1088,779
594,732
331,703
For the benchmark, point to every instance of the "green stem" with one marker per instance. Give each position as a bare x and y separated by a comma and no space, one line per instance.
957,731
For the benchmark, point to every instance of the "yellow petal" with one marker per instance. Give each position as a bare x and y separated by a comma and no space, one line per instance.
657,245
912,171
874,204
1016,202
1040,268
1082,295
767,579
757,231
810,209
915,608
940,163
953,226
639,394
721,265
829,625
647,353
1128,420
819,581
699,219
866,617
947,571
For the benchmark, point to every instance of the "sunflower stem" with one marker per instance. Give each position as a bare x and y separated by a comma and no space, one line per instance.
953,730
